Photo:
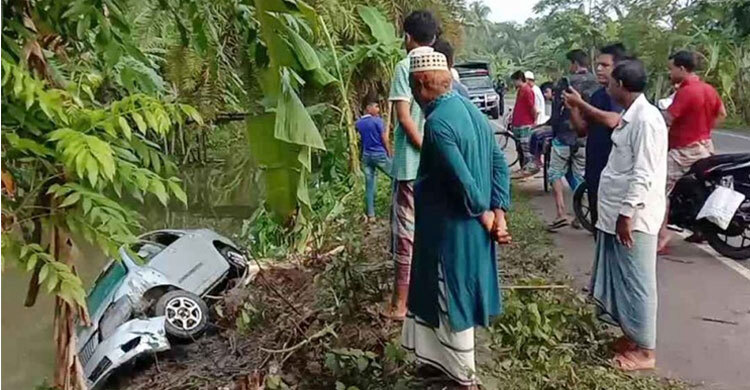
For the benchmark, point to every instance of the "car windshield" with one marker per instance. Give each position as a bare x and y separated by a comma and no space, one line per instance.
105,283
477,82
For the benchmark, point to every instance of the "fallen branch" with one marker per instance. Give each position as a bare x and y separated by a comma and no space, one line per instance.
321,333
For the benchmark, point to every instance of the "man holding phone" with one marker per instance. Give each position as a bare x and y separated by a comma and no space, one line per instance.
597,120
568,150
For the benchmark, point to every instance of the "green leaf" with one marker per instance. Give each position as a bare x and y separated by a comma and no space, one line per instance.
279,161
52,281
31,262
151,120
80,161
86,205
83,26
125,127
192,113
44,272
93,170
293,122
305,53
322,77
362,363
139,122
104,154
70,200
178,192
156,161
157,188
380,28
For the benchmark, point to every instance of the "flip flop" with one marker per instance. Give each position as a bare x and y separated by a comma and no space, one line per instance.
663,251
558,224
623,362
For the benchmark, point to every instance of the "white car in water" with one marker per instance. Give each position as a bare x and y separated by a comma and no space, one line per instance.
152,293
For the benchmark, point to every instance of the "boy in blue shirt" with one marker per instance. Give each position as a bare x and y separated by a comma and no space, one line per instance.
375,152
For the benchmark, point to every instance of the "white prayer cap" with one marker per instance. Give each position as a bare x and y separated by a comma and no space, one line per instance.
421,62
529,75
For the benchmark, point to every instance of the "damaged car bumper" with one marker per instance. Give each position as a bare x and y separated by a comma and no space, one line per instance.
128,341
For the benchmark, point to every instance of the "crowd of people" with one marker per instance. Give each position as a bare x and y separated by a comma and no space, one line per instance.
451,187
604,132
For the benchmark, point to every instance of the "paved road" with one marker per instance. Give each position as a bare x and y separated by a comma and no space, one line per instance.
696,289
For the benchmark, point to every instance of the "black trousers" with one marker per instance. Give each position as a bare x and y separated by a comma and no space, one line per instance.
593,205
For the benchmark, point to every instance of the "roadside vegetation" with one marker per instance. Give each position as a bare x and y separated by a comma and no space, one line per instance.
651,29
106,104
310,321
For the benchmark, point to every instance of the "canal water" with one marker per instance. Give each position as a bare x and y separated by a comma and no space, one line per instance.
221,196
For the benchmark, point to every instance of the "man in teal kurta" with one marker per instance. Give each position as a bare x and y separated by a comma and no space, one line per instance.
462,177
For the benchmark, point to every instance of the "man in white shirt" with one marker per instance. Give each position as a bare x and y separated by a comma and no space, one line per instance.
538,98
631,208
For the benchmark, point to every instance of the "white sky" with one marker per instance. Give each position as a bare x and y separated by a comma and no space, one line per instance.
510,10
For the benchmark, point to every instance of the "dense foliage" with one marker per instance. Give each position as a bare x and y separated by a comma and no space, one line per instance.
651,29
104,101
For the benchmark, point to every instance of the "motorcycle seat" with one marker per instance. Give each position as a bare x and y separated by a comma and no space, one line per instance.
703,166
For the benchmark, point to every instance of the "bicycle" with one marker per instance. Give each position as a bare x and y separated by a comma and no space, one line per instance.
581,207
506,137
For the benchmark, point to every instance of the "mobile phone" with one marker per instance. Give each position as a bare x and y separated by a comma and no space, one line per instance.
565,83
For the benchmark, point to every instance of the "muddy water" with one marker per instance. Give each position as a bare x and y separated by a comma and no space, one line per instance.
220,197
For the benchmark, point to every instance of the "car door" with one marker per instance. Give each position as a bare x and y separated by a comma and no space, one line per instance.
191,262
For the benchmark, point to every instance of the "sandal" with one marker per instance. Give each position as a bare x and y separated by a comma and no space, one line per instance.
624,362
558,224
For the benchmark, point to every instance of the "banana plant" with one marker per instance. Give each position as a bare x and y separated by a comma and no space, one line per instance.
283,137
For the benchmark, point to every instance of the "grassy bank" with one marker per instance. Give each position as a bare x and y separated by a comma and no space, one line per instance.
310,321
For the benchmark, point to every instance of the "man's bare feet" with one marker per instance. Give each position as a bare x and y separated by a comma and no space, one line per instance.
393,313
635,360
395,309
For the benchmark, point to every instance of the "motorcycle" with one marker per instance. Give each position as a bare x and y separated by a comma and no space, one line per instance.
688,197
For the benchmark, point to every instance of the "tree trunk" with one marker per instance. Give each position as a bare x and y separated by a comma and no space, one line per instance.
68,369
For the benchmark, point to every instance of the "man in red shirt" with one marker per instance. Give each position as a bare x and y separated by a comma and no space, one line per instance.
696,110
524,114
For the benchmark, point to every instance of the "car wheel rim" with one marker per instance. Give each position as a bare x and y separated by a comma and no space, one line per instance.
184,313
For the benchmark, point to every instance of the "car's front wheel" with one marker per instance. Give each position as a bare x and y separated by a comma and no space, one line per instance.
186,314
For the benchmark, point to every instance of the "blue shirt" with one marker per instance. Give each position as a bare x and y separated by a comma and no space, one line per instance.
371,131
599,141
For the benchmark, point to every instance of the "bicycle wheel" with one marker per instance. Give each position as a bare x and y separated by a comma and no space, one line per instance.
502,139
508,143
581,207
